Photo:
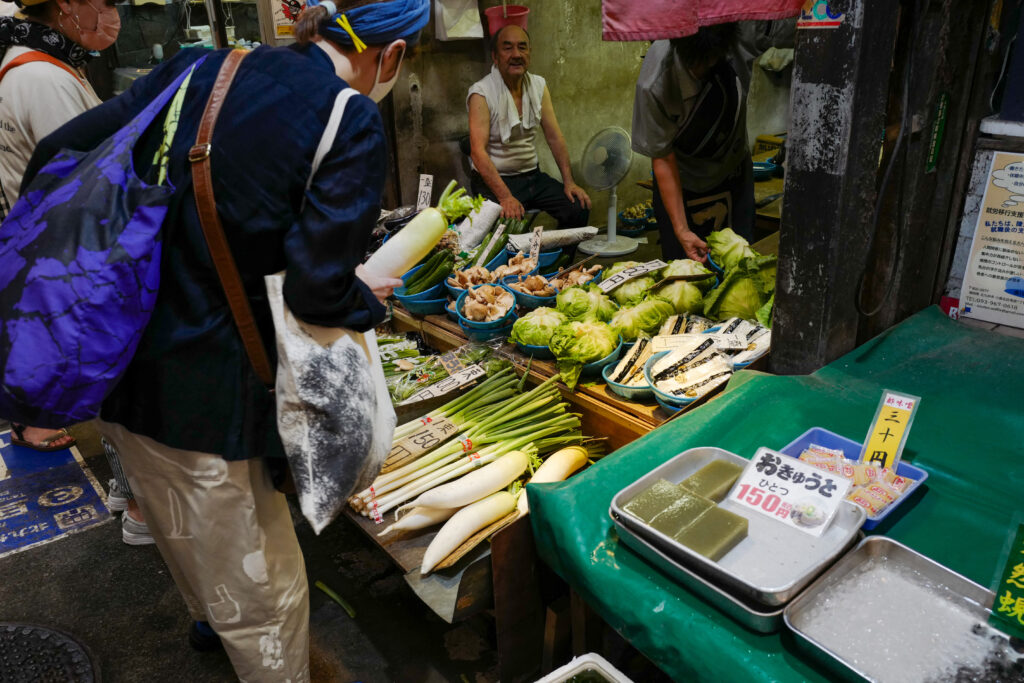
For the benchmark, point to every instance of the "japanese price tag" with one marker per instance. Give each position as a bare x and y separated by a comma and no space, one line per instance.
723,342
490,245
451,363
432,433
450,383
610,283
790,491
1008,609
538,232
884,443
426,191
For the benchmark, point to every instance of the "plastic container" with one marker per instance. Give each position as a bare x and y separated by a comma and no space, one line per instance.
589,663
453,292
714,267
629,393
499,260
505,320
593,369
663,398
823,437
506,15
538,352
667,406
426,306
450,310
478,335
528,300
433,293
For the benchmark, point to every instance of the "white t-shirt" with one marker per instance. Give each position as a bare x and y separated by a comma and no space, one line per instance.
510,143
35,99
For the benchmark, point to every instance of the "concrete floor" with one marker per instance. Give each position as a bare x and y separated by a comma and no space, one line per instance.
121,602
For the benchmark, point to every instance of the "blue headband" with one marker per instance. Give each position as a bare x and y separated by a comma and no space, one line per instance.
376,23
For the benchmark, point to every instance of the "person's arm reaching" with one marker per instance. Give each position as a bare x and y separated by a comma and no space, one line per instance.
671,190
479,132
560,151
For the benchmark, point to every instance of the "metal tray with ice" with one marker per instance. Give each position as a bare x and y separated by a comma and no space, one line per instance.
771,565
912,619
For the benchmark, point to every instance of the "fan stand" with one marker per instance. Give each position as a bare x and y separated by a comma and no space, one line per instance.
612,244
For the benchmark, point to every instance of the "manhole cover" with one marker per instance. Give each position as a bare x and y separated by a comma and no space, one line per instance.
32,653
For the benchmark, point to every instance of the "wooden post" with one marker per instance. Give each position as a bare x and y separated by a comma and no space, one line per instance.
840,84
518,609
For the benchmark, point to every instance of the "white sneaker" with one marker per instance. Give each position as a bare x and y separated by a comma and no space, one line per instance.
117,501
135,533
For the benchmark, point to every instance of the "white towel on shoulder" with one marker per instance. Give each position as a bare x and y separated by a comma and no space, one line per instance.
500,101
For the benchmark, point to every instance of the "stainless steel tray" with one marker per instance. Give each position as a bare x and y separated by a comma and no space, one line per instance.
756,617
916,648
771,565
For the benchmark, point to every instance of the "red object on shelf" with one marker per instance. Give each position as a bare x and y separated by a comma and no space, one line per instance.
502,16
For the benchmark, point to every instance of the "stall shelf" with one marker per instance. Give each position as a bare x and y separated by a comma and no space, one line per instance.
967,435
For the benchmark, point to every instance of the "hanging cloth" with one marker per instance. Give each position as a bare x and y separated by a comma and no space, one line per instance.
625,20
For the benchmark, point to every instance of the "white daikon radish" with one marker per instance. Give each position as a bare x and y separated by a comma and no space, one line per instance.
557,467
475,485
410,244
464,524
419,518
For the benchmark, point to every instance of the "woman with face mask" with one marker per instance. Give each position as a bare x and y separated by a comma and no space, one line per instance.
195,428
43,49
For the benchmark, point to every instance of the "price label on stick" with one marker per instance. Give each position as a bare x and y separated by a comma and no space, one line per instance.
538,232
432,433
610,283
790,491
451,363
451,383
481,260
884,443
426,191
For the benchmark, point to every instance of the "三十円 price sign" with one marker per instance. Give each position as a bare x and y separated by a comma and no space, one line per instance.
790,491
610,283
884,443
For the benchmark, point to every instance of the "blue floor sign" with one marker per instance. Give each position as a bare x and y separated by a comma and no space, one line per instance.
44,496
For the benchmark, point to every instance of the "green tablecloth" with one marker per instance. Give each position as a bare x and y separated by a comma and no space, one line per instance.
968,434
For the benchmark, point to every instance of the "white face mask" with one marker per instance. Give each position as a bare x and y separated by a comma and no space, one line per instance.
380,90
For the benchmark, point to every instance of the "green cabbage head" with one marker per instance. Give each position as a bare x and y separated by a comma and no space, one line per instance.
745,289
577,343
728,248
585,303
537,326
644,318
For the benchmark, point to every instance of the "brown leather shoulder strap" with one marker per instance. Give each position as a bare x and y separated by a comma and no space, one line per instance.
202,183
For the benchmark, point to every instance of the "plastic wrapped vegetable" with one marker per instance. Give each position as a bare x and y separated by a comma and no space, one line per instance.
536,327
585,303
644,318
728,248
577,343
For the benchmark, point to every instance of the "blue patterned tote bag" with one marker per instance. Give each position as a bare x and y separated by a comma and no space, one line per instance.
79,273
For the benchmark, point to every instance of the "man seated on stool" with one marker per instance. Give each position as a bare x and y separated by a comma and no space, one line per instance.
504,110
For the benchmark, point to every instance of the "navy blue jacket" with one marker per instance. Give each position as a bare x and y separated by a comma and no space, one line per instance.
190,384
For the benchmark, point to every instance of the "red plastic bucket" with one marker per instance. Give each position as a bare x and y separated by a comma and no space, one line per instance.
497,19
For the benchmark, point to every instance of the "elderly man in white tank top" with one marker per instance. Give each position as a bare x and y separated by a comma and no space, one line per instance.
505,108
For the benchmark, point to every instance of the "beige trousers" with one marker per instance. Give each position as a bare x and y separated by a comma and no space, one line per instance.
227,537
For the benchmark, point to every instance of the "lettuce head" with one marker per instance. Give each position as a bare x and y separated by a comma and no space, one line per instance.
685,297
644,318
685,266
728,248
746,288
634,291
577,343
764,314
536,327
585,303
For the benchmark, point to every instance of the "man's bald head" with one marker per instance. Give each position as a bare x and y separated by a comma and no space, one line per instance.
509,32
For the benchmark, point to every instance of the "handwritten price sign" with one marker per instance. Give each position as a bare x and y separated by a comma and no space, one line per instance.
426,191
448,384
790,491
887,436
623,276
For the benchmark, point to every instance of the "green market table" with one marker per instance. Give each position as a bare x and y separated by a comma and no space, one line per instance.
968,434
